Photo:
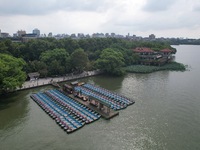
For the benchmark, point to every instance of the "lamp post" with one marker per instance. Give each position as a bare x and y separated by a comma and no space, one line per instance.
37,81
38,78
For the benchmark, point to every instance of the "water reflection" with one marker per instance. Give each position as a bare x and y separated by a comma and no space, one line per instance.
13,112
114,83
166,115
145,83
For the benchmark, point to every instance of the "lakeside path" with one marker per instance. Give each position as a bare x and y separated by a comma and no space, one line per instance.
48,81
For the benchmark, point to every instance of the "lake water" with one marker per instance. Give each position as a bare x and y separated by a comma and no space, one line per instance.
166,115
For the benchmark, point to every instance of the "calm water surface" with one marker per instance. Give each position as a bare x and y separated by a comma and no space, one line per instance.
166,115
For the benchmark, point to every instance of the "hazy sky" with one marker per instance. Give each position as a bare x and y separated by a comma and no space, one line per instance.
164,18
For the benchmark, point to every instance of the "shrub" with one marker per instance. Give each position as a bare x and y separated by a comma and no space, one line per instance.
173,66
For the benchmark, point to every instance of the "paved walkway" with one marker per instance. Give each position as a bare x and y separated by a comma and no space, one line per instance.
48,81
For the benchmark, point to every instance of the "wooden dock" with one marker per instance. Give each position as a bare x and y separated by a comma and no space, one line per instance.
111,114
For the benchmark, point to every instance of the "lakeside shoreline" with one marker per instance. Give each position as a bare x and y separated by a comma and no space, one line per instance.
172,66
49,80
130,69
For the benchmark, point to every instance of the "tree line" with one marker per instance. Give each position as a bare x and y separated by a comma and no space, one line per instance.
52,57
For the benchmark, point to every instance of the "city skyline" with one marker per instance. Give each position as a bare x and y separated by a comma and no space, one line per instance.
164,18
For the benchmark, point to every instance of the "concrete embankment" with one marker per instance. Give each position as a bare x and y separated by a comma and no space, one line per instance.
48,81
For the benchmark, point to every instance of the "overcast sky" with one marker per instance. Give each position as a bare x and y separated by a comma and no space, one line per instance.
164,18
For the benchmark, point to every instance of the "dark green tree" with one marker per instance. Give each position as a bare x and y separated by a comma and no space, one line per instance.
69,44
37,66
111,61
79,60
11,73
34,48
57,61
3,48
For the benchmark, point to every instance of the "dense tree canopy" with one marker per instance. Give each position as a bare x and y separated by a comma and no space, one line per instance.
37,66
11,74
79,60
111,61
57,61
51,56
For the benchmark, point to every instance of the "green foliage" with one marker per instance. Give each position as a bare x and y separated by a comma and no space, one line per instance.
111,61
57,61
90,66
3,48
155,45
79,60
50,56
69,44
11,74
37,66
173,66
33,49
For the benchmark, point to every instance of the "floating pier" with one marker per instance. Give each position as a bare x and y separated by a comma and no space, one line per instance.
105,112
68,113
79,104
114,100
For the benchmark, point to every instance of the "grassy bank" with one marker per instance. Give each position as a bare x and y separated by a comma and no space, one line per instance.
173,66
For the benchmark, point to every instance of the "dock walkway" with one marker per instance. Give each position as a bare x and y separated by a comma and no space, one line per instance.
104,115
48,81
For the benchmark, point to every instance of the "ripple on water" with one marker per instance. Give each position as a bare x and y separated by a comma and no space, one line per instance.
166,115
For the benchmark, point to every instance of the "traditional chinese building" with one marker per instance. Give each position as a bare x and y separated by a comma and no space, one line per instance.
150,57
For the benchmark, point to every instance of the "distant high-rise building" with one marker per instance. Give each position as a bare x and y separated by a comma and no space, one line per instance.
50,34
20,33
134,37
14,35
4,35
112,34
37,32
107,35
98,35
152,36
87,36
81,35
128,36
27,37
73,36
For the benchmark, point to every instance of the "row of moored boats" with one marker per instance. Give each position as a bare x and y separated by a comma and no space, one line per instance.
68,113
114,100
